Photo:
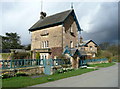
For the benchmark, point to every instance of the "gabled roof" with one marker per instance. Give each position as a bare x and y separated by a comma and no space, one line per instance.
86,42
54,20
71,51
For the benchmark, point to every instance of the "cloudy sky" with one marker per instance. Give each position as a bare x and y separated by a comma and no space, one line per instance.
99,20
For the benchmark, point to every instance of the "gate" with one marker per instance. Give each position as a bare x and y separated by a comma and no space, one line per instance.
47,66
82,62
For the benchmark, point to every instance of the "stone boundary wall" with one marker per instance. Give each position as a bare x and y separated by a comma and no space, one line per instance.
28,70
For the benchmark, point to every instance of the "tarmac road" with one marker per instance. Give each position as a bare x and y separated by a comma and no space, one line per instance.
104,77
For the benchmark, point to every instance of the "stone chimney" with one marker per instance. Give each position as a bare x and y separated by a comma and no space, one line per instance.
42,15
81,39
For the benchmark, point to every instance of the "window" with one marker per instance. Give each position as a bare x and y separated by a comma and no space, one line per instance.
91,48
71,44
45,44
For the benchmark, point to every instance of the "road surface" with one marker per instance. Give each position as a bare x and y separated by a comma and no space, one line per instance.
104,77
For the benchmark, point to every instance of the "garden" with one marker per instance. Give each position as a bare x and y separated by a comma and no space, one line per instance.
19,79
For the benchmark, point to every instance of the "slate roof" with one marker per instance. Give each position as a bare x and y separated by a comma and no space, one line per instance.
86,42
73,51
53,20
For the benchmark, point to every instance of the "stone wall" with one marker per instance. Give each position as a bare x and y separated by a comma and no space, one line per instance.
28,70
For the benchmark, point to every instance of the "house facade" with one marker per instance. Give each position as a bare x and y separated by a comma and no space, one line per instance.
51,34
88,48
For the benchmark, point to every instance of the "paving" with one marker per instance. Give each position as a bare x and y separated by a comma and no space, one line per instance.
104,77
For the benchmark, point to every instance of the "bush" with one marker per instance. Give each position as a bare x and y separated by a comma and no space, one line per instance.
38,55
63,70
59,71
21,55
21,74
6,75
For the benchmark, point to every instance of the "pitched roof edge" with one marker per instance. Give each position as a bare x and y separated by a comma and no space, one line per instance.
91,41
50,25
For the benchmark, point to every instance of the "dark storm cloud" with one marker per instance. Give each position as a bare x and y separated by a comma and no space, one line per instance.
104,24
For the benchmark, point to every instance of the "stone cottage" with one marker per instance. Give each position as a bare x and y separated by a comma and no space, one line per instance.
51,34
87,48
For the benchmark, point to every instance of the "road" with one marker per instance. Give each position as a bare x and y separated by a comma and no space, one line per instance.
104,77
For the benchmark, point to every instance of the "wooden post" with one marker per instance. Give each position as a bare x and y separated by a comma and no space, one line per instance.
10,63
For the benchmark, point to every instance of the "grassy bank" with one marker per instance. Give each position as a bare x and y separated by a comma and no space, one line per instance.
101,65
28,81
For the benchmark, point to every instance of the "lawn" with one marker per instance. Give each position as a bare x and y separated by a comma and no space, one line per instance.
101,65
18,82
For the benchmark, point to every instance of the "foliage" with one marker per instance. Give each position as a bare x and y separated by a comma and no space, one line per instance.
21,55
63,70
104,45
11,41
6,75
27,47
21,74
37,55
111,52
5,56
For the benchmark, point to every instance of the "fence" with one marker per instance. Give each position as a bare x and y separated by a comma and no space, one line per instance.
18,63
82,62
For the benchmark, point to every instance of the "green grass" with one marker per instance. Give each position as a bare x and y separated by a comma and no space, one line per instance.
19,82
101,65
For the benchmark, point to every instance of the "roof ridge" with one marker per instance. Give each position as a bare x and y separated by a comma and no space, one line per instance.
59,13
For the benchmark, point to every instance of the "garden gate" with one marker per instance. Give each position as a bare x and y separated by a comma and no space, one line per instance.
48,63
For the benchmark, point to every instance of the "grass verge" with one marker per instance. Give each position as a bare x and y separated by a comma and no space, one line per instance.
19,82
101,65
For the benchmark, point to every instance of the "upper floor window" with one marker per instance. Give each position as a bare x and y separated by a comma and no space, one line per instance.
91,48
45,44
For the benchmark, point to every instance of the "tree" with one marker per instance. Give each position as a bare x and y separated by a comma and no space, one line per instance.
104,45
11,41
37,55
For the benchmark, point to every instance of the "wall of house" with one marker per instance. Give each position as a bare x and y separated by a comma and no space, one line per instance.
67,36
54,37
58,37
94,49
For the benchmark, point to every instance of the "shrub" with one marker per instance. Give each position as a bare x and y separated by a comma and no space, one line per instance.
6,75
38,55
59,71
21,74
21,55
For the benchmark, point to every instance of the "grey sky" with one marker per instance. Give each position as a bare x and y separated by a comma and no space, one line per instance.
99,20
